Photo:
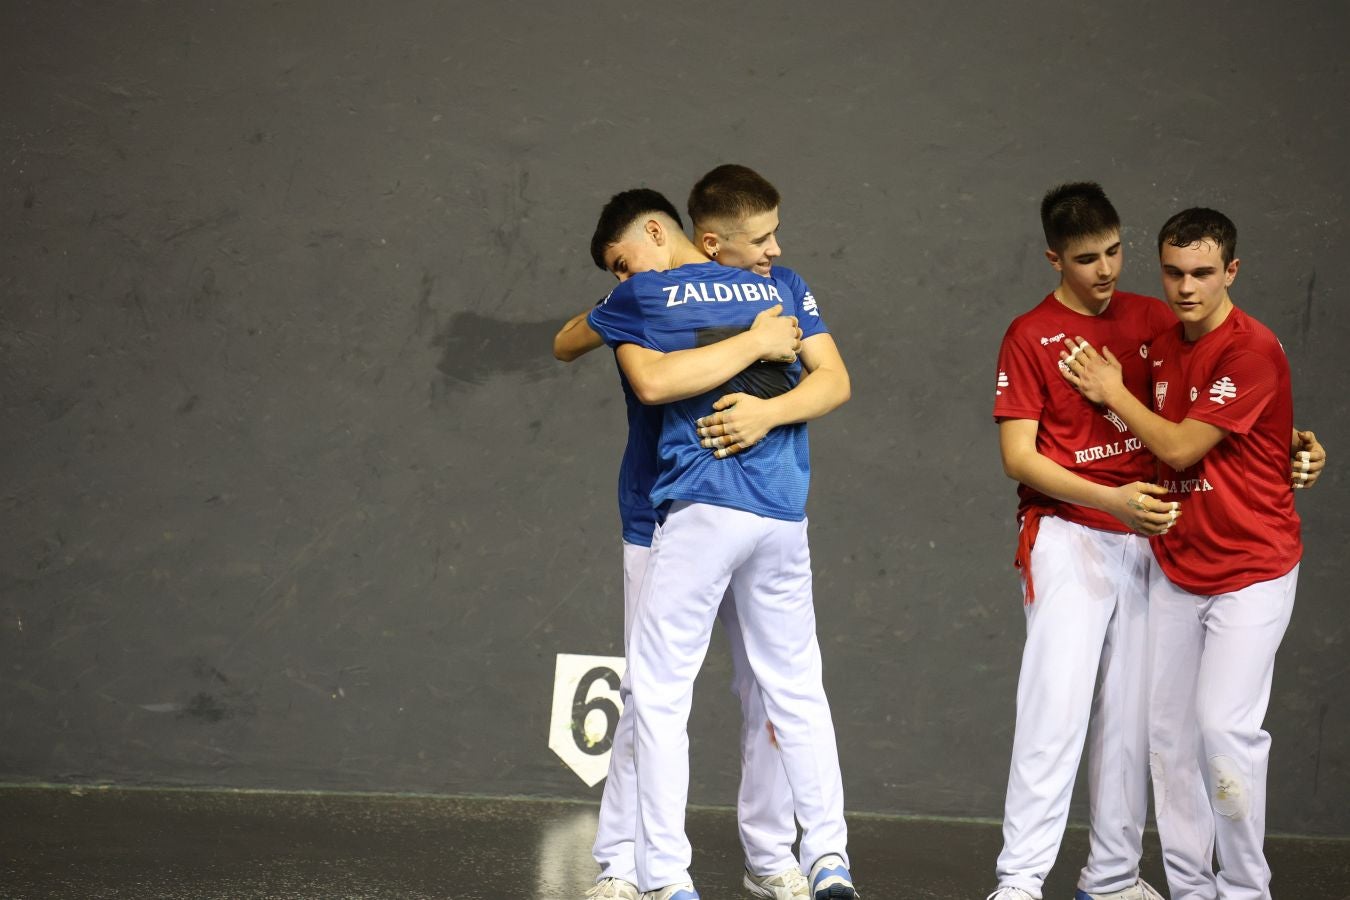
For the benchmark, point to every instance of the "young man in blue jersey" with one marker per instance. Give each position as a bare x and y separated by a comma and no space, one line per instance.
738,523
764,808
735,212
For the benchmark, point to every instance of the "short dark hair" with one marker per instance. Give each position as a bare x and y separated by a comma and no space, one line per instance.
1199,223
619,214
1076,210
731,193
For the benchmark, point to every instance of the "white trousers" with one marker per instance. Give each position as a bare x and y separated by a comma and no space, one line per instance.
697,553
764,812
1212,661
1082,679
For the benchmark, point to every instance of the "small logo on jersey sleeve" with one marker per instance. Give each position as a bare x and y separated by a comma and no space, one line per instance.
1194,394
1223,390
1116,420
1002,383
809,305
1159,395
1143,350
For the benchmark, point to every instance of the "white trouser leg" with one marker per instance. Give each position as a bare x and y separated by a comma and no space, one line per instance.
774,603
613,849
1181,803
1080,575
1117,740
1240,634
693,555
764,804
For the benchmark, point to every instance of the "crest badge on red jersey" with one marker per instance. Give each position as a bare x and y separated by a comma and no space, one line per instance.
1160,395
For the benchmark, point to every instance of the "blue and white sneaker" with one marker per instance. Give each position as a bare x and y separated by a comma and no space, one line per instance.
683,891
830,879
1010,893
1140,890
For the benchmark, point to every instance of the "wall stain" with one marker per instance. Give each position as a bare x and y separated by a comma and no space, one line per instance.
475,348
224,217
425,313
206,708
1307,307
1317,755
207,672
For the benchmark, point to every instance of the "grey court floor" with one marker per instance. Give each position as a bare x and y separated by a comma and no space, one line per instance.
93,843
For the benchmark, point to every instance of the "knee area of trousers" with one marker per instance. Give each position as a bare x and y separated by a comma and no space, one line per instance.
1229,788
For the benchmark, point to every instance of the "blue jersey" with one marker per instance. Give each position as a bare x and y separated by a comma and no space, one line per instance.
692,306
637,472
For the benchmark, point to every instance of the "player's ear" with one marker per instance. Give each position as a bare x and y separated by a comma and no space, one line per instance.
1230,273
655,232
709,244
1054,259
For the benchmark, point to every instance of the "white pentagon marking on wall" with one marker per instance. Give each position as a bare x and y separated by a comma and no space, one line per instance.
586,708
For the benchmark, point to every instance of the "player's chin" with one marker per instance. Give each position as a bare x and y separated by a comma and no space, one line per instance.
764,269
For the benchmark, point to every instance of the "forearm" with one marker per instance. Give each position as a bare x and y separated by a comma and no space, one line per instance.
818,393
666,377
1040,473
1172,442
575,339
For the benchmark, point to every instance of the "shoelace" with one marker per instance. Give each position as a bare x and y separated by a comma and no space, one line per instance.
792,879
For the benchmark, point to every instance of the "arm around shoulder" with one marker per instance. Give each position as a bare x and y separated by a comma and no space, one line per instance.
575,339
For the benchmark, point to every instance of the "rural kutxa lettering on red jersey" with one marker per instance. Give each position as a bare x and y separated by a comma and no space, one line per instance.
1239,527
1089,440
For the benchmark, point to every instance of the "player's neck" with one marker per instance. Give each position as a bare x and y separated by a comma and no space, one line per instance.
1088,306
682,253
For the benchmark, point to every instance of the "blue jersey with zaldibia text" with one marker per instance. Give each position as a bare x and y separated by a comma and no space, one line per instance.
693,306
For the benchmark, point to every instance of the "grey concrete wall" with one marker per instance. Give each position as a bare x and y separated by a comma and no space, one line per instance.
294,496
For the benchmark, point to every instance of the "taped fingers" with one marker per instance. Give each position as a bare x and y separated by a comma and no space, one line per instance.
731,450
1303,472
1171,517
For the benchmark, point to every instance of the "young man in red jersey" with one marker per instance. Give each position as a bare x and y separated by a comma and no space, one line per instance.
1222,582
1086,505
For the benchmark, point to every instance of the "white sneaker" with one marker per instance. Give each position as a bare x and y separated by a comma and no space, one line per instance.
1140,890
830,879
613,889
789,885
683,891
1010,893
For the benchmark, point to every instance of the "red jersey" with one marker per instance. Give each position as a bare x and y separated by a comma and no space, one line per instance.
1239,526
1086,439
